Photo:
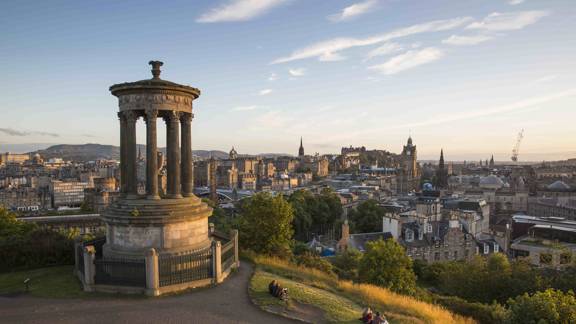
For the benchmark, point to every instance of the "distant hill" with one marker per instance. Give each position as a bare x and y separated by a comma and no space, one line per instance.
91,152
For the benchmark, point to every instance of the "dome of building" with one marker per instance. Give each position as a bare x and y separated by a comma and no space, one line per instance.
491,182
427,186
558,186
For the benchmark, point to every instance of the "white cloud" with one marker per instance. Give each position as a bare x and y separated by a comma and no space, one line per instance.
273,77
265,92
547,78
331,47
466,40
354,10
297,72
519,105
385,49
244,108
409,60
515,2
239,10
508,21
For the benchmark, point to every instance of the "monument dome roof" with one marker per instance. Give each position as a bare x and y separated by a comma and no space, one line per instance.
558,186
155,83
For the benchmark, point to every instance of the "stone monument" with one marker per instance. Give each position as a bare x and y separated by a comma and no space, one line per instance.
172,222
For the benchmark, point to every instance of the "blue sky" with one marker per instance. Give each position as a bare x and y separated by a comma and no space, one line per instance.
463,75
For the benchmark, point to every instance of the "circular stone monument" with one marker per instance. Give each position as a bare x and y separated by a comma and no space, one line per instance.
171,222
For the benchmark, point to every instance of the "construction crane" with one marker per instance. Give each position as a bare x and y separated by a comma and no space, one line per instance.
516,148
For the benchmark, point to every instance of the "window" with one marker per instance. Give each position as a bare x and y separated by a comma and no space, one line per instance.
565,258
409,236
436,256
428,228
455,255
446,255
496,248
486,248
545,258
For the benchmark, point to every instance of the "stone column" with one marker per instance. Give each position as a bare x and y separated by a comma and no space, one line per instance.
217,261
173,152
89,267
234,237
123,146
132,164
152,275
186,152
151,155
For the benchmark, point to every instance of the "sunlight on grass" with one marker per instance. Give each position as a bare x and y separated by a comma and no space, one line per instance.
398,308
336,308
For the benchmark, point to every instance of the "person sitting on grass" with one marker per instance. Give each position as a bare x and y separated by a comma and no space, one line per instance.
379,319
273,287
367,315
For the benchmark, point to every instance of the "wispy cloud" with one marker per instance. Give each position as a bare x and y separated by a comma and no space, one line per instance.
466,40
245,108
264,92
297,72
332,47
15,132
515,2
519,105
273,77
409,60
547,78
353,11
239,10
385,49
497,21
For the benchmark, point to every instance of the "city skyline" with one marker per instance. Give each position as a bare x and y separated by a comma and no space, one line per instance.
463,77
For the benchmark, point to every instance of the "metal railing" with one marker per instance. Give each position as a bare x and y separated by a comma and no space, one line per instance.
121,272
227,255
182,268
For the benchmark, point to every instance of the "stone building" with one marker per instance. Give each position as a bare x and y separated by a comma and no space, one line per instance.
564,207
102,195
67,193
409,174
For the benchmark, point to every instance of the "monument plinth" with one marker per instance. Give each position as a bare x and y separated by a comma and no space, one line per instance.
171,222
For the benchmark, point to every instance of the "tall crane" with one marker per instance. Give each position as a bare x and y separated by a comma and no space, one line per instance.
516,148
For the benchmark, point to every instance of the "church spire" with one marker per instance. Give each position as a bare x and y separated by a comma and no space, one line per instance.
441,163
301,149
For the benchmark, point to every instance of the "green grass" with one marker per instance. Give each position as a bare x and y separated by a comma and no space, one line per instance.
336,308
53,282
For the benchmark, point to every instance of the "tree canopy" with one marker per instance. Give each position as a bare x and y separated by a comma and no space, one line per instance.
314,214
266,224
367,217
386,264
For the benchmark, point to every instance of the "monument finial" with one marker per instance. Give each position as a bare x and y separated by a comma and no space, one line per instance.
156,68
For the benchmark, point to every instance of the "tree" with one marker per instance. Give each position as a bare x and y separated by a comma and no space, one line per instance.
11,226
367,217
346,264
314,213
386,264
266,224
549,306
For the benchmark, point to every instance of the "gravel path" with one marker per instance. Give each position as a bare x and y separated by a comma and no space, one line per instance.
226,303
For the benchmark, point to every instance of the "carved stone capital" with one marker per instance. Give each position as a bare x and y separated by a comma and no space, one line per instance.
131,116
150,114
185,117
171,117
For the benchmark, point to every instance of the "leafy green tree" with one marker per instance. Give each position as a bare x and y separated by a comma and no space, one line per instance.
220,218
543,307
266,224
10,226
386,264
367,217
316,214
313,260
346,264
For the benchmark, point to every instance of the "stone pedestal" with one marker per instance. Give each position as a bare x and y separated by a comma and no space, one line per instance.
166,225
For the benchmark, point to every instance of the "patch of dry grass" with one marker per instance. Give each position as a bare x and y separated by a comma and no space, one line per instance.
399,308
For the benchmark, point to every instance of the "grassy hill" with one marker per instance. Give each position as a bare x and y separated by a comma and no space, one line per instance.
337,301
91,152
